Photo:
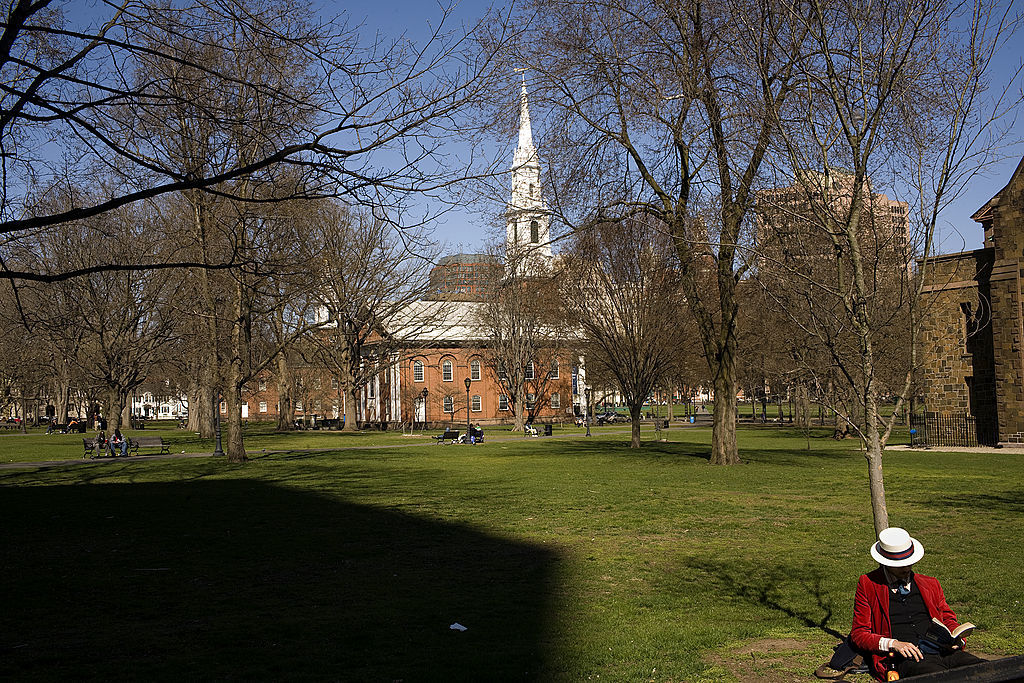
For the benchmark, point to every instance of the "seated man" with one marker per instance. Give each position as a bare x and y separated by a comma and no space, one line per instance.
894,607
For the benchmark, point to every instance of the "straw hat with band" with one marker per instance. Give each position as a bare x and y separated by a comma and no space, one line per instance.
896,548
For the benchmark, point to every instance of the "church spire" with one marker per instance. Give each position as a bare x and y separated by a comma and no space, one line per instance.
525,152
528,241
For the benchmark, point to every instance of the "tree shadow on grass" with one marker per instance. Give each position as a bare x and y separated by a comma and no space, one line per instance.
672,451
1009,502
243,580
796,592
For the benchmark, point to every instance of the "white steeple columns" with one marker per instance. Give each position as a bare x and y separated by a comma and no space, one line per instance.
527,238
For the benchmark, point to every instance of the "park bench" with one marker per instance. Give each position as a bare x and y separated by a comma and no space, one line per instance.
148,442
450,435
90,447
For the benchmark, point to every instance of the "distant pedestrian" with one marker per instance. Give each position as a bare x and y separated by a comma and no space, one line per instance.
118,442
101,441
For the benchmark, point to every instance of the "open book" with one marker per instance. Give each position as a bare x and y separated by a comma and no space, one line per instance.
940,639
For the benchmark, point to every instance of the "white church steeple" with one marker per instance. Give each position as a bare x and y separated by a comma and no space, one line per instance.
527,239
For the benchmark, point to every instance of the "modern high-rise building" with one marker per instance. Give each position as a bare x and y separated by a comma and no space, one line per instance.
797,224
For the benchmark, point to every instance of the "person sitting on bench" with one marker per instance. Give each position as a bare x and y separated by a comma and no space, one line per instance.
894,607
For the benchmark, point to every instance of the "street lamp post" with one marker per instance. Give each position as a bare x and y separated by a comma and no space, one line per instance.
586,406
423,396
468,383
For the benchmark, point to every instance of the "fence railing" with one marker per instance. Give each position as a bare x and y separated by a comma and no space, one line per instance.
957,429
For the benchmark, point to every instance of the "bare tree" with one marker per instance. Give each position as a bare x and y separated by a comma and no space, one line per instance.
519,317
365,279
659,113
621,290
889,94
83,93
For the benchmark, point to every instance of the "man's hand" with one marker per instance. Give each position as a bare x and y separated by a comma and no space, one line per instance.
907,650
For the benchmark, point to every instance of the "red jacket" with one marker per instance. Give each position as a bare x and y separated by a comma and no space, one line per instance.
871,612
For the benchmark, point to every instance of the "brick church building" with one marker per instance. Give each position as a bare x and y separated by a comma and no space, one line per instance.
972,329
445,374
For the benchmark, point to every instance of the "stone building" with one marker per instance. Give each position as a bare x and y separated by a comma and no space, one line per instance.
971,328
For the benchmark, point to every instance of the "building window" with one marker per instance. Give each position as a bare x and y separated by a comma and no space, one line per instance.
503,402
529,370
262,385
449,405
298,406
531,399
556,400
417,371
316,406
446,371
371,389
554,369
316,383
334,383
477,404
263,406
534,232
474,370
223,407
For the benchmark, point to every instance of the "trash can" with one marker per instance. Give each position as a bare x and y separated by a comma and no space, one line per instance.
547,430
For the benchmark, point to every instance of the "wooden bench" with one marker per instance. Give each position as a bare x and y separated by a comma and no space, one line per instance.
148,442
449,435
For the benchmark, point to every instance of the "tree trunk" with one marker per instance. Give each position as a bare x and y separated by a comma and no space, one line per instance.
235,446
285,404
634,418
723,431
876,480
114,408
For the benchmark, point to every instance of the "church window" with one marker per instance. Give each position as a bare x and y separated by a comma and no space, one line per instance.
554,369
534,232
474,370
446,371
417,371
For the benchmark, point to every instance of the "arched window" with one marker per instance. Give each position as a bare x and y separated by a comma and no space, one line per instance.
474,370
447,373
554,369
417,371
534,232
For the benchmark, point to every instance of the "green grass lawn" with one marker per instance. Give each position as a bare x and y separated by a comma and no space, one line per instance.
566,559
37,446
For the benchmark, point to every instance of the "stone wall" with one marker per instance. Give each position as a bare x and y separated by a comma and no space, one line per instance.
956,359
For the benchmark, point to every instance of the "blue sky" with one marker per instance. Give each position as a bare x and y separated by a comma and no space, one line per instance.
469,230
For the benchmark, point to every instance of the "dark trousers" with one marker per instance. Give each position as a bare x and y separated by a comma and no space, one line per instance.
935,663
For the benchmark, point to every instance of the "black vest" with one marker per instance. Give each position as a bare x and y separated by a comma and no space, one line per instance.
908,615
